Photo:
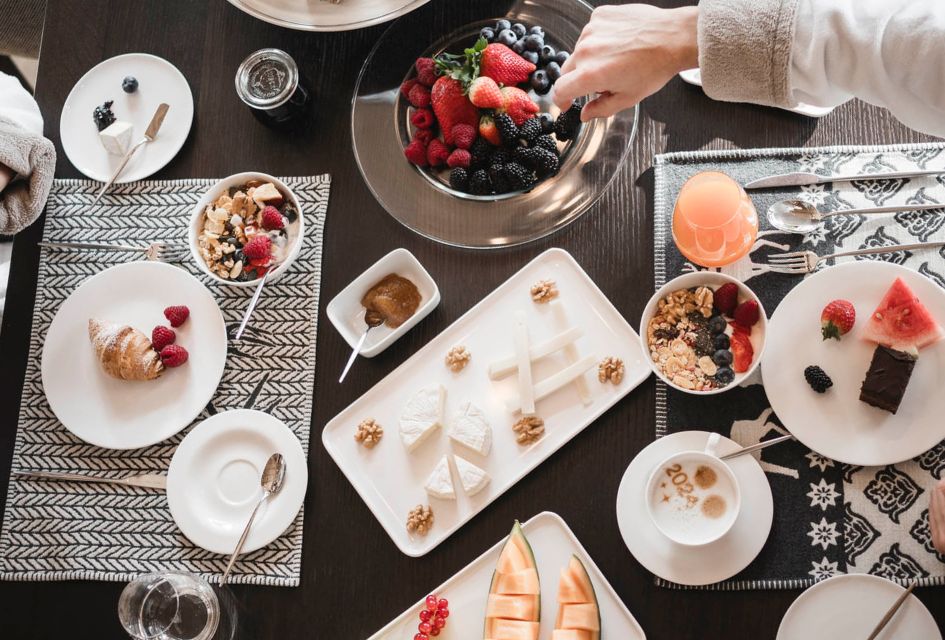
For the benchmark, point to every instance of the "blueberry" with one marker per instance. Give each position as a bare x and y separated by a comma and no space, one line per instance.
519,47
721,341
538,31
531,56
129,84
547,54
540,82
238,256
533,43
488,33
561,57
502,25
547,122
722,357
724,375
554,71
519,29
506,37
717,325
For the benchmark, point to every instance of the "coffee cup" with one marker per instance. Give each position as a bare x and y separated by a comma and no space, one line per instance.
693,497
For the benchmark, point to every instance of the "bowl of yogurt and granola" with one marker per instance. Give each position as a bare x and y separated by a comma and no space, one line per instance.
245,225
704,332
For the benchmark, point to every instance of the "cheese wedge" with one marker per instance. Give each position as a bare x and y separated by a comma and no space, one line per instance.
422,415
471,477
470,428
440,482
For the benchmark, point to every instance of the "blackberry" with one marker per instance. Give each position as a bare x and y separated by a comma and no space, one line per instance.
480,152
547,122
103,116
497,175
547,143
818,380
459,179
517,175
530,130
569,122
717,325
499,156
724,375
527,156
479,183
546,163
506,127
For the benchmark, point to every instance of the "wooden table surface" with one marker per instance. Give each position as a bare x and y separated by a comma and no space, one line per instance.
354,580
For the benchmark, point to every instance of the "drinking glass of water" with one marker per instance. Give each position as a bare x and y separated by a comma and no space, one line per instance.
175,606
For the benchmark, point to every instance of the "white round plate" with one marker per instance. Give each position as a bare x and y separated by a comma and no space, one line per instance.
124,414
213,480
158,81
694,566
850,606
837,424
321,15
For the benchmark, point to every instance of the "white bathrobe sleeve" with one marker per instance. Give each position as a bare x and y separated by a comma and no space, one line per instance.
18,105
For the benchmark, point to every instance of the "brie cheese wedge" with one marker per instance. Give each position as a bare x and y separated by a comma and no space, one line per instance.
470,428
471,477
116,137
440,482
422,414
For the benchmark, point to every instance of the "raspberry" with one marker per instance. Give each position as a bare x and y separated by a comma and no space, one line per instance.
416,153
726,298
422,119
459,158
162,336
272,219
407,86
173,355
178,315
426,71
747,313
437,153
257,249
817,378
419,96
464,135
424,136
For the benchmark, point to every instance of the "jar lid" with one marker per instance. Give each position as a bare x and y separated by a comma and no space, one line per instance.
267,78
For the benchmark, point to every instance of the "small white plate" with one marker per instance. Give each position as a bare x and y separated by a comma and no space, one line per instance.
123,414
553,544
321,15
213,480
694,76
837,424
158,81
694,566
850,606
347,314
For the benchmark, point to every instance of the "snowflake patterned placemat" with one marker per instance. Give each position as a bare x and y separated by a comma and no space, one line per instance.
830,518
78,531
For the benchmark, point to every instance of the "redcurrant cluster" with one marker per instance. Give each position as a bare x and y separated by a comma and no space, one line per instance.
432,617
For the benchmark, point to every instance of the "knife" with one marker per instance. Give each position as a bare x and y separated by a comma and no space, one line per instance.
147,480
801,178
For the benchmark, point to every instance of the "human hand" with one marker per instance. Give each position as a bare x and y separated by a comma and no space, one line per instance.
937,516
626,53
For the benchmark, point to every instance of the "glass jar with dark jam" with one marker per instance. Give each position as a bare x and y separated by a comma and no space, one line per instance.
268,81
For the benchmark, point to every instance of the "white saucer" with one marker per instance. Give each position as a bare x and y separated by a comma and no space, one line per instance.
213,480
837,424
123,414
850,606
694,566
694,77
158,81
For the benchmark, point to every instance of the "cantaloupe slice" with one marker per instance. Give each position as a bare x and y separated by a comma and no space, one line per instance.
571,634
578,610
502,629
519,582
513,607
512,614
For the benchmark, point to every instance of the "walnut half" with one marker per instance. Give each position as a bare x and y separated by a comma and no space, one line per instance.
369,433
610,369
457,358
529,429
544,291
420,520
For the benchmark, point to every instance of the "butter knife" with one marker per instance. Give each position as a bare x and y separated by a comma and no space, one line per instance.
156,121
803,179
147,480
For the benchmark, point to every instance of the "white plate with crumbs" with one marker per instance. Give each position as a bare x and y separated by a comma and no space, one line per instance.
391,480
553,544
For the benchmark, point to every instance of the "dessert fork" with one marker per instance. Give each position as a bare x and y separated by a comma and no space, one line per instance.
156,251
807,261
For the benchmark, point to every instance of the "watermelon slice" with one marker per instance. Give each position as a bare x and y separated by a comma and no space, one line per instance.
578,610
901,321
513,609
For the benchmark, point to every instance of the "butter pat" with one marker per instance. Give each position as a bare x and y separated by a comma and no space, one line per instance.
116,137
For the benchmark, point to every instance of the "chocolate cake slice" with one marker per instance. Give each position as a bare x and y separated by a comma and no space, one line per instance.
887,378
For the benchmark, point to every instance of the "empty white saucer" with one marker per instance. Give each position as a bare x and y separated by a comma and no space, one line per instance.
694,566
213,480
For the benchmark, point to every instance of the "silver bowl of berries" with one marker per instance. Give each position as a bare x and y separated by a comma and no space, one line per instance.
245,225
704,332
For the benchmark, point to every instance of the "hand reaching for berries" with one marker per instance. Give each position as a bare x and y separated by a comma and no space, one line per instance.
626,53
937,516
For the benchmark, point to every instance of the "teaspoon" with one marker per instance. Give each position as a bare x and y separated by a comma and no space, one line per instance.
371,321
797,216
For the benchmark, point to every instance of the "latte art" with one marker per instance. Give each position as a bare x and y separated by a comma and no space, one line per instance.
692,499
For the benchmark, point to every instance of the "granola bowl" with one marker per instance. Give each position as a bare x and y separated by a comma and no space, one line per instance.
695,348
237,212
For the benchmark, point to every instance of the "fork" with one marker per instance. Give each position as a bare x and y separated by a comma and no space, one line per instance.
156,251
807,261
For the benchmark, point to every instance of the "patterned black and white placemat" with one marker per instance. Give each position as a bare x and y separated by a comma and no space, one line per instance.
71,531
829,518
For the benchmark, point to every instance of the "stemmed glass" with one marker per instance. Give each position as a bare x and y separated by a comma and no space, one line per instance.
176,606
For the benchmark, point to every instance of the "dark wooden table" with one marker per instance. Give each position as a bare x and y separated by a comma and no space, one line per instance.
353,578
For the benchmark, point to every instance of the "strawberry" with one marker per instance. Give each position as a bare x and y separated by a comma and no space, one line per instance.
272,219
503,65
518,105
459,158
726,298
256,249
416,152
424,136
419,96
173,355
178,315
422,119
837,318
426,71
407,86
437,153
747,313
485,94
463,136
452,107
162,336
742,352
489,131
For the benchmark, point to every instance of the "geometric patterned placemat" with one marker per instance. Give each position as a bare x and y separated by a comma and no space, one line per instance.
72,531
829,518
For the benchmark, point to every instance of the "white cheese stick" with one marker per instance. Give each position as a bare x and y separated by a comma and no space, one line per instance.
554,382
525,389
507,366
571,352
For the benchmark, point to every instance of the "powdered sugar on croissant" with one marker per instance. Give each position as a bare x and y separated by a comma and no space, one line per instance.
123,351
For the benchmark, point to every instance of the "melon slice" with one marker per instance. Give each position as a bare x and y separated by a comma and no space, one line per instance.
513,609
578,610
901,321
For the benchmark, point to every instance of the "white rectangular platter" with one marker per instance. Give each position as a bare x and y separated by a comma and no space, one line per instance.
391,480
553,544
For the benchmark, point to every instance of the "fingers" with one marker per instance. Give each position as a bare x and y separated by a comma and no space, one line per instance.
570,86
605,106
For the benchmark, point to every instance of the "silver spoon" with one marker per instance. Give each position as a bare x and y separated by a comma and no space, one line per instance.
797,216
374,321
252,303
764,444
272,477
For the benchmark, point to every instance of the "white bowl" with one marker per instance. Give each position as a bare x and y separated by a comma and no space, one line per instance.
221,186
347,314
713,280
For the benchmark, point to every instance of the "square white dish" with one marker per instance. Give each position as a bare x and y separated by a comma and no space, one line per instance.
553,544
347,314
391,481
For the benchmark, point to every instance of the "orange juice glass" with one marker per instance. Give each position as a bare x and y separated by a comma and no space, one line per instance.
714,221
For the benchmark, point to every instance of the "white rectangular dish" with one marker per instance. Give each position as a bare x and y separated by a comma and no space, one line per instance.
553,544
391,481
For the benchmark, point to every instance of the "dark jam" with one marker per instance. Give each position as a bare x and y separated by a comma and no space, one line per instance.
391,301
268,81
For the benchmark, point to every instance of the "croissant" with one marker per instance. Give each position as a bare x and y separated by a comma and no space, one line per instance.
123,351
